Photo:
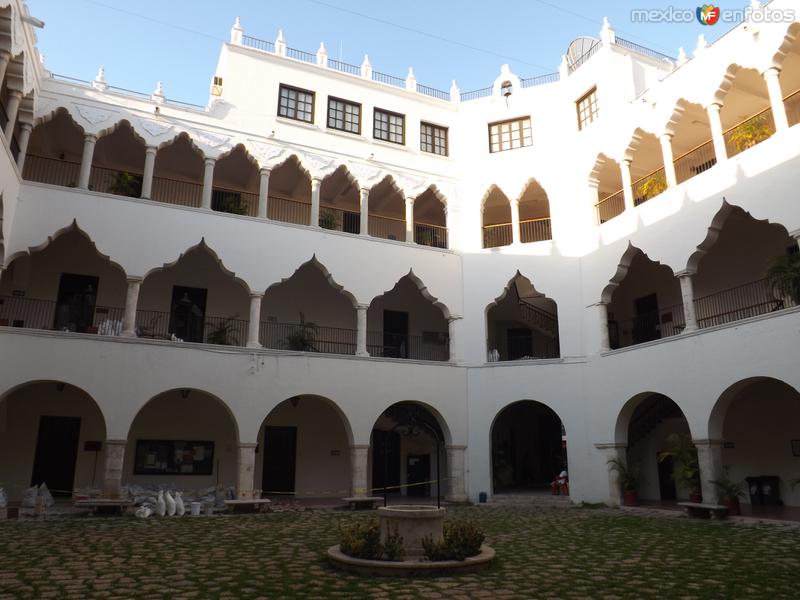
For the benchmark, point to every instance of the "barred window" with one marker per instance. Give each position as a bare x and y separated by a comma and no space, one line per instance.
344,115
433,139
296,104
507,135
389,127
587,108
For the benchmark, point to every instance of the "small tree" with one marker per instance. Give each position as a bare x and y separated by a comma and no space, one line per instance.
304,336
783,277
751,132
686,468
224,333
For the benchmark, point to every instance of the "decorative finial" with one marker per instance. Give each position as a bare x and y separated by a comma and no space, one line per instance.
682,58
455,93
158,95
411,80
366,68
237,32
100,82
607,36
702,44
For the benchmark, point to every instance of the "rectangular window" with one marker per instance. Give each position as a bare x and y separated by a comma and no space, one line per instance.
389,127
296,104
344,115
433,139
587,108
508,135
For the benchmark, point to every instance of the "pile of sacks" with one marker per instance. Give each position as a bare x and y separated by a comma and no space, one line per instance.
37,495
163,501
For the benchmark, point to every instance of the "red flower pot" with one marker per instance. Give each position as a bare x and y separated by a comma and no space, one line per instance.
630,498
698,498
734,508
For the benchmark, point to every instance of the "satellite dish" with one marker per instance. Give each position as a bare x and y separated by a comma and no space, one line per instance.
580,47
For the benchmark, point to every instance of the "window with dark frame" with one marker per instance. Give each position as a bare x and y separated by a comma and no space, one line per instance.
296,104
433,139
587,108
508,135
344,115
389,126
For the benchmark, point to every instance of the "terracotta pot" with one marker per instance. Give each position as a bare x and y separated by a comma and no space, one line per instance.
698,498
734,508
630,498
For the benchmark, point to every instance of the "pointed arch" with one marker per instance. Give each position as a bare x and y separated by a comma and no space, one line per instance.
605,179
496,218
387,210
178,172
692,146
236,182
340,201
430,218
534,213
55,149
290,192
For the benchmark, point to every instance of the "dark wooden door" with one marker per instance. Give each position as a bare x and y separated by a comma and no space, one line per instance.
418,469
645,323
188,313
385,459
666,482
56,453
77,296
395,334
280,454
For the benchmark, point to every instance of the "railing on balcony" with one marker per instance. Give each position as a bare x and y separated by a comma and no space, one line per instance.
426,234
51,170
288,210
792,104
535,230
27,312
307,337
338,219
750,132
301,55
414,347
115,181
475,94
611,206
388,228
433,92
527,348
338,65
623,43
234,202
527,82
263,45
388,79
743,301
695,161
649,186
498,235
175,191
646,327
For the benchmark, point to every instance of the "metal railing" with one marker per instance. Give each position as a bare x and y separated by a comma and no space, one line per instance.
750,132
115,181
388,228
495,236
258,44
527,82
235,202
338,219
30,313
51,170
535,230
744,301
338,65
792,104
611,206
307,337
642,49
433,92
388,79
535,347
646,327
414,347
288,210
475,94
301,55
695,161
174,191
541,319
584,57
426,234
648,187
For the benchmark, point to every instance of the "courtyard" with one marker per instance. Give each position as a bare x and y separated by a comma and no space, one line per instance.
542,552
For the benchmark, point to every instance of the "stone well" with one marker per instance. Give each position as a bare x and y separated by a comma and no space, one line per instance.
413,522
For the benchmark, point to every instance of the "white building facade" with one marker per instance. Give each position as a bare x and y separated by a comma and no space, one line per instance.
547,273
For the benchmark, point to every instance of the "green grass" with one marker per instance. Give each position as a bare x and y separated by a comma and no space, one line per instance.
542,553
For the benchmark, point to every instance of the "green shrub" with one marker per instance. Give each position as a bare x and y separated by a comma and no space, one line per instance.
393,546
363,540
461,539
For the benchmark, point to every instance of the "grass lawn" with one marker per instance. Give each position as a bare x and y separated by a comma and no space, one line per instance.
542,552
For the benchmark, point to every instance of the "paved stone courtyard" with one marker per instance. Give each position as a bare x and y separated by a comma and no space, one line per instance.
543,552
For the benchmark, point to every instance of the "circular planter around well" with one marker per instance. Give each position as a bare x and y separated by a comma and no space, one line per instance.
412,523
410,567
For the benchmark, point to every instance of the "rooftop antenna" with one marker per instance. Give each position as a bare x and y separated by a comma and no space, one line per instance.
340,50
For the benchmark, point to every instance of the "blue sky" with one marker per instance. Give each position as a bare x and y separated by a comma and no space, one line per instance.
178,41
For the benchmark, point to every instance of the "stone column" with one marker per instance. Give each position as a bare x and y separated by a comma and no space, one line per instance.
410,220
316,185
627,187
208,183
447,227
89,140
796,235
720,151
452,325
515,234
361,330
602,317
364,208
149,168
12,108
263,192
669,161
709,459
246,462
613,451
772,77
254,324
359,459
112,469
5,58
456,488
687,294
24,137
131,302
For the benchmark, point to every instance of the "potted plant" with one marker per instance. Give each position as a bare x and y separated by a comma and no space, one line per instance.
327,219
304,336
230,202
783,277
686,468
125,184
628,480
751,132
652,186
224,333
729,493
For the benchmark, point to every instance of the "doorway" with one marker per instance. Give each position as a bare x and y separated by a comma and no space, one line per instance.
385,460
520,343
77,296
395,334
418,470
645,323
188,314
56,454
666,480
280,451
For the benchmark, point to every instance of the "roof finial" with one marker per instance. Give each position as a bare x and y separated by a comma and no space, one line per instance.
100,82
237,32
158,94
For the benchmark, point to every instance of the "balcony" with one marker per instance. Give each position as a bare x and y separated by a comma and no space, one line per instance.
531,210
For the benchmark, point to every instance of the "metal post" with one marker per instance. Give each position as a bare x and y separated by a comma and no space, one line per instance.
438,476
385,468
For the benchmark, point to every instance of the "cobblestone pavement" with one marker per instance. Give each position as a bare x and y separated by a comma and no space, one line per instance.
543,552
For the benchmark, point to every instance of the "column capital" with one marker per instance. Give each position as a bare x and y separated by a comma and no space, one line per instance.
359,446
265,171
316,182
795,234
116,442
707,442
209,161
610,446
5,55
626,162
90,137
25,126
514,201
134,279
715,106
364,191
256,294
410,200
452,318
362,307
771,72
685,273
15,93
666,136
455,447
245,445
150,149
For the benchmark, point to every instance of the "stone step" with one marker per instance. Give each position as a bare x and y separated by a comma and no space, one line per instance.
535,499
